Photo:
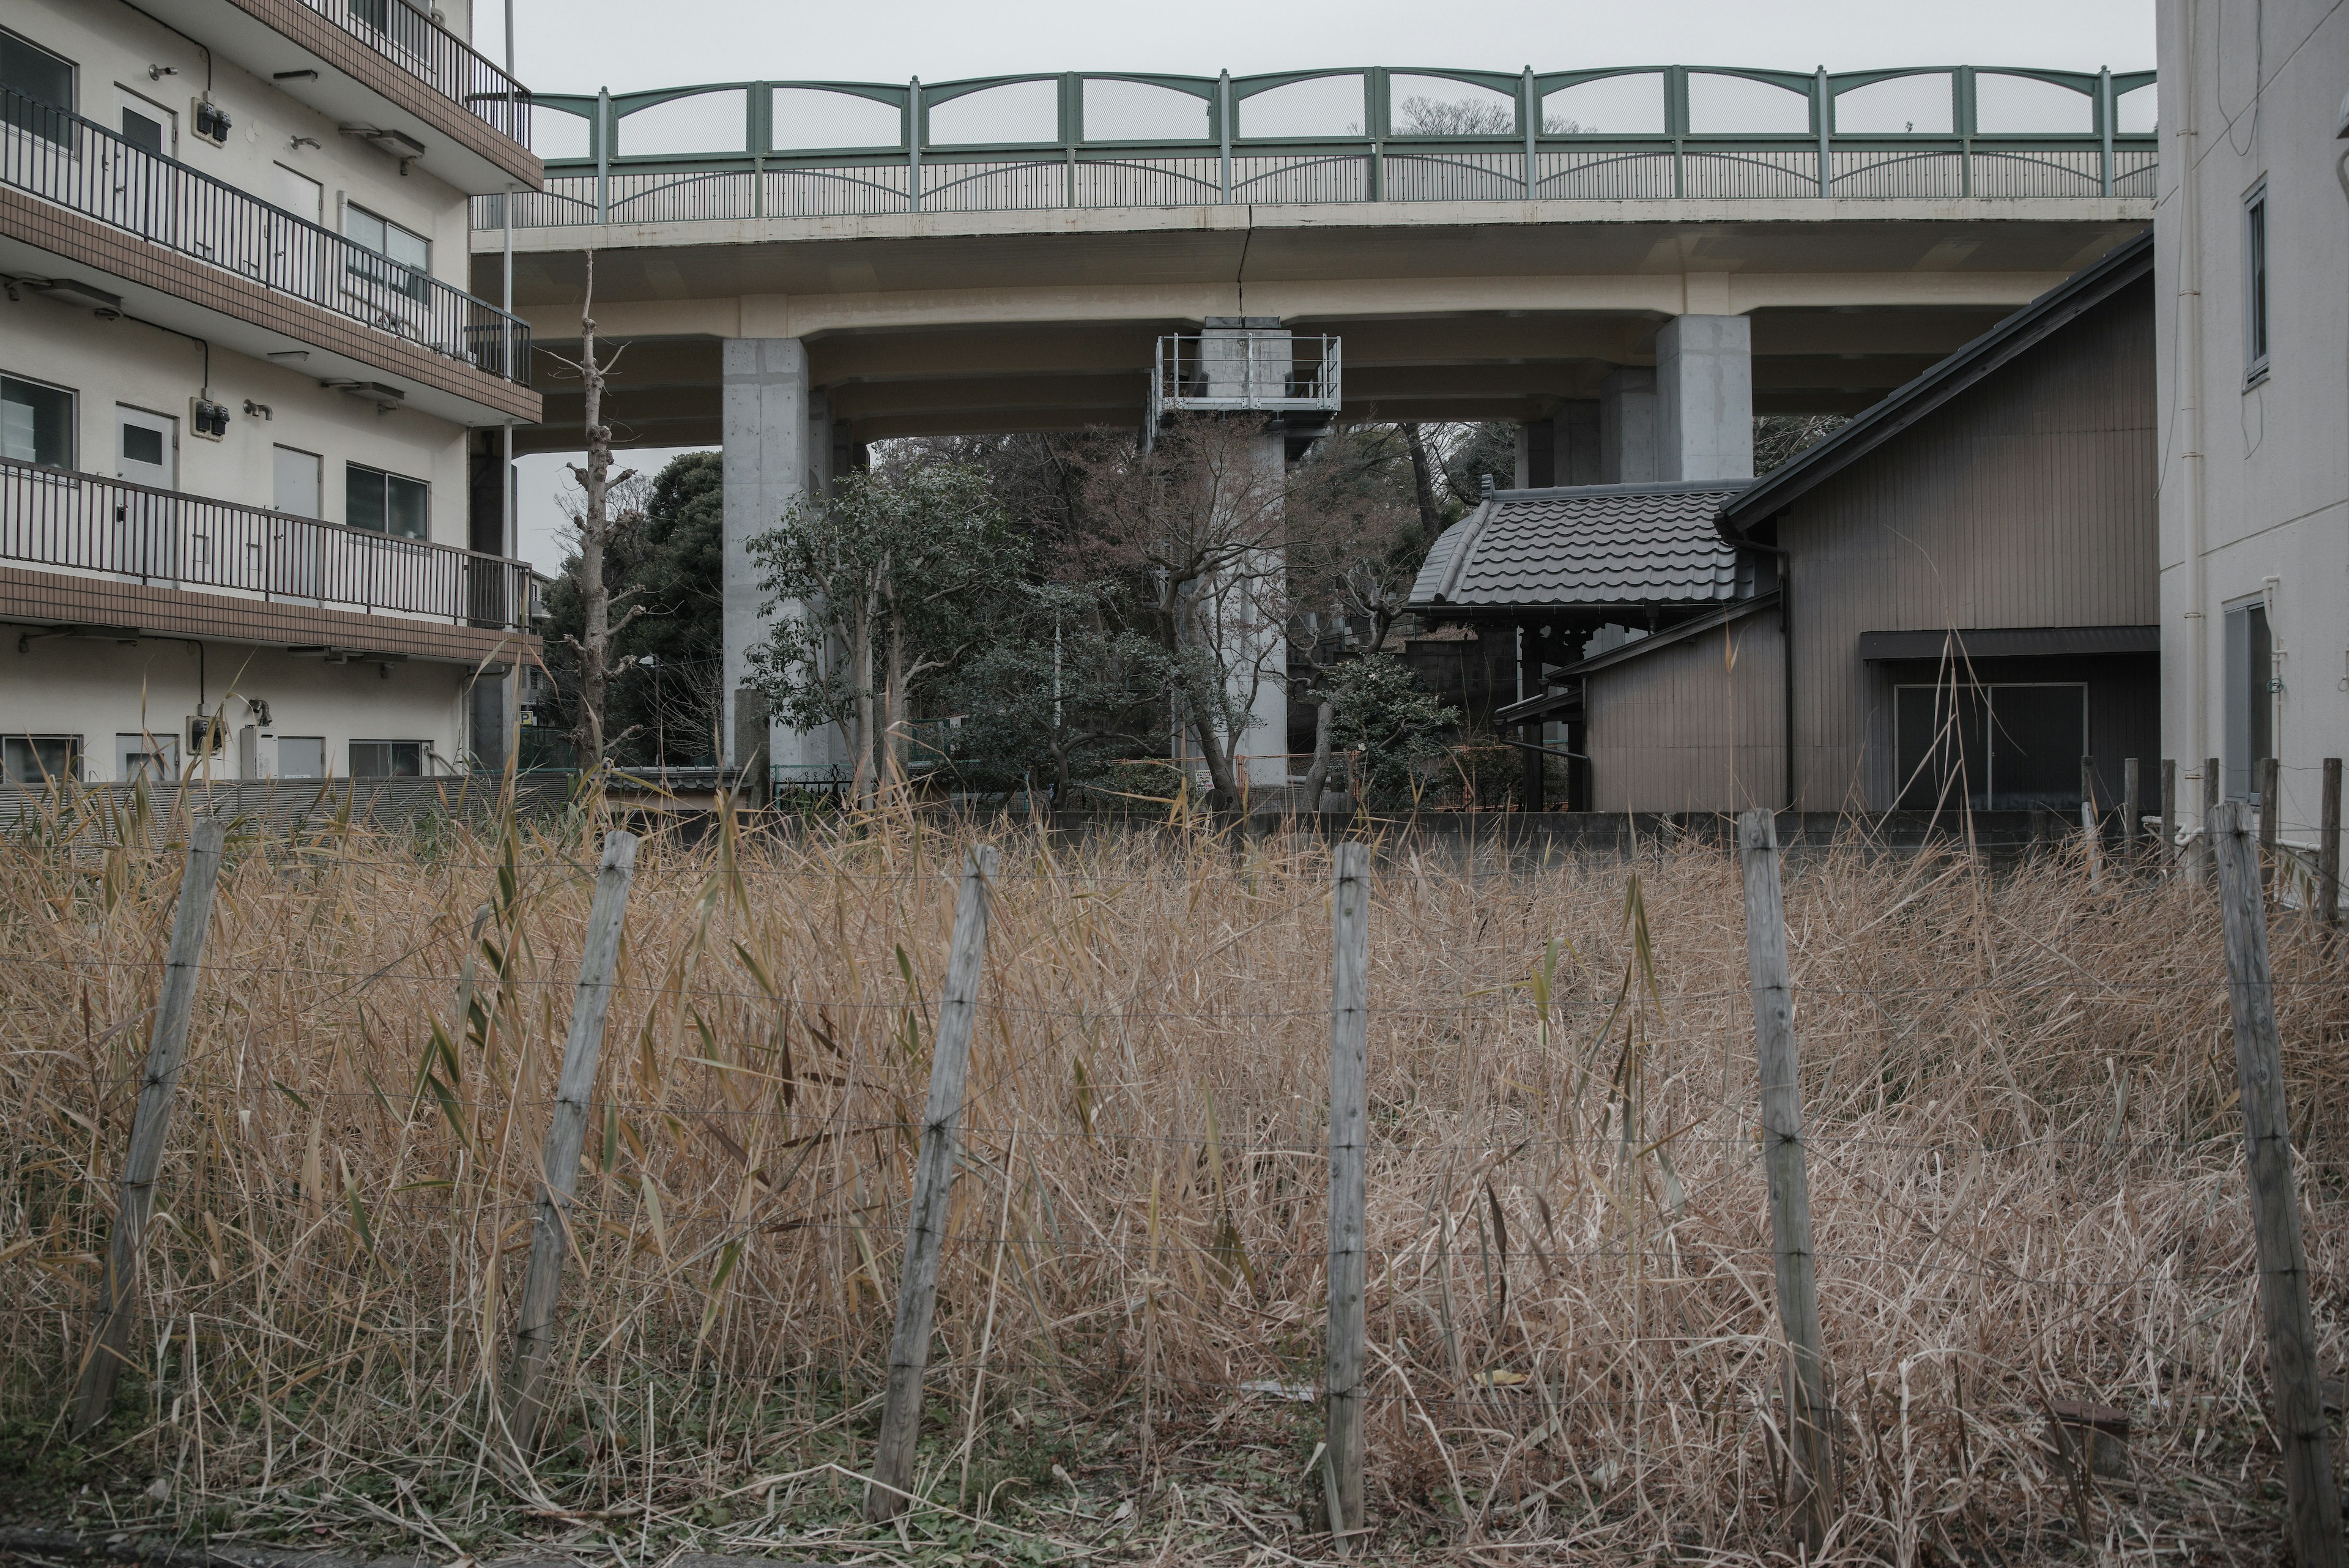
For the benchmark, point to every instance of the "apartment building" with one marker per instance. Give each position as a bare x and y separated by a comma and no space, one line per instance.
2252,232
251,516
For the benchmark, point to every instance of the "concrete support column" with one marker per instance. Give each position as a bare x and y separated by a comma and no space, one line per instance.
1260,755
1574,443
1705,398
1627,428
765,425
1535,465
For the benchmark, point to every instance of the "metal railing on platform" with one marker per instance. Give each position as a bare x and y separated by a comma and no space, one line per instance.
85,168
82,523
732,150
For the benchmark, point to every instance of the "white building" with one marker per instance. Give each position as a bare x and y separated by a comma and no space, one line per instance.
249,471
2252,231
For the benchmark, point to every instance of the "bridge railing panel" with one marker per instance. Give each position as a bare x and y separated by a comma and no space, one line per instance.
1452,175
1149,181
843,191
1276,177
1899,173
1749,173
1605,174
1007,185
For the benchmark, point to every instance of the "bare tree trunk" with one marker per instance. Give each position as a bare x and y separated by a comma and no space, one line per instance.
893,739
861,784
1422,482
1317,776
596,529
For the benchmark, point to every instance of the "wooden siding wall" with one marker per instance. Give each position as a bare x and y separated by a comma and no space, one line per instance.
2028,501
1695,727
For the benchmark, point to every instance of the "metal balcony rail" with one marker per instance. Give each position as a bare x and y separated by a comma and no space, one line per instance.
722,151
109,527
60,157
1242,371
436,57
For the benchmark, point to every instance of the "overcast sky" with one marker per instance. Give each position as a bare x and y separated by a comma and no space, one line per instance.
579,46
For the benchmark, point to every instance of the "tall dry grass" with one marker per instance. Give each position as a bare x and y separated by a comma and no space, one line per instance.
2025,1174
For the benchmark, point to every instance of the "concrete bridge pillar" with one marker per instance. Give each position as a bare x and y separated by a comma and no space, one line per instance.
1627,428
1705,398
766,421
1574,442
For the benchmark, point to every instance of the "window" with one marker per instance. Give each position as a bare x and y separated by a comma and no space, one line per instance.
155,758
40,85
1992,748
301,756
37,423
41,759
382,759
406,256
386,503
2255,284
2250,661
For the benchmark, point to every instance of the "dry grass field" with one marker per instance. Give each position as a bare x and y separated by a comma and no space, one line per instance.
2026,1175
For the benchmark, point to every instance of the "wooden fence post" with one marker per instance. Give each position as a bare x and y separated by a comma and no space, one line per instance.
2295,1401
2271,786
926,1224
1789,1180
2213,791
1349,1129
2132,806
2168,813
151,1122
2328,848
2092,836
525,1393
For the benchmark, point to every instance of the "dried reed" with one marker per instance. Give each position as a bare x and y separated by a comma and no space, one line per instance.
2026,1176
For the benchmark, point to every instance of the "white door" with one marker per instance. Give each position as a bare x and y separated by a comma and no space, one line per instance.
296,543
155,758
141,182
297,254
147,453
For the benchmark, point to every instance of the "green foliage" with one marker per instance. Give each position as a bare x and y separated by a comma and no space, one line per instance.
880,589
1397,726
1060,695
669,558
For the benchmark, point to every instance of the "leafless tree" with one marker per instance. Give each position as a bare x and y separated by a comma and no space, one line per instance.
596,526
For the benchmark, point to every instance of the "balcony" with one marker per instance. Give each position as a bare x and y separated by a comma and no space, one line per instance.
385,65
1240,369
268,283
269,577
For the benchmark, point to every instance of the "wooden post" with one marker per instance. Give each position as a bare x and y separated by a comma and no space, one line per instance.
2168,812
151,1122
2295,1405
1349,1129
1789,1180
2132,806
2328,848
2091,830
925,1225
525,1391
2205,858
2270,787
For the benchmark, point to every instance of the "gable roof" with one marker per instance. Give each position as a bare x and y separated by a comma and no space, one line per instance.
2001,346
1586,544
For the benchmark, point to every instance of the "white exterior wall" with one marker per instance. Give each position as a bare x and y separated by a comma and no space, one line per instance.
2255,477
98,689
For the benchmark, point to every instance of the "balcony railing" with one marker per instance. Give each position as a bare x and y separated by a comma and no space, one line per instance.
1242,369
733,150
436,57
87,169
82,523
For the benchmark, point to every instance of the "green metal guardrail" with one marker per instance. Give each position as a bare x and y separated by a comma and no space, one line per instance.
736,149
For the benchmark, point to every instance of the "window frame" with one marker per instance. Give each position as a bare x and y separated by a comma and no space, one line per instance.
386,476
423,757
73,421
2247,735
375,264
56,133
323,757
2259,318
74,753
1987,692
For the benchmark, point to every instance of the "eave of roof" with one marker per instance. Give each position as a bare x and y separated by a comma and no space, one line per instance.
2076,295
1478,565
1533,708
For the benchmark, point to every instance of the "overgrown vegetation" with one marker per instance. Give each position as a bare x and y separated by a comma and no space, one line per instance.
2025,1176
